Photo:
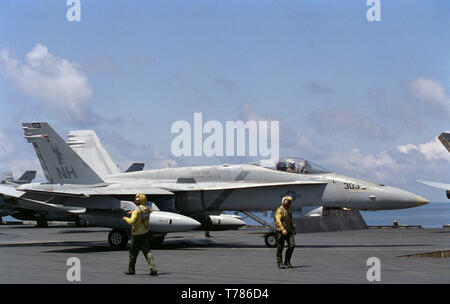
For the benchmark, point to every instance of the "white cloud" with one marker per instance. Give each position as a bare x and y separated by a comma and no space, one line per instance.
373,167
430,92
57,82
399,165
432,150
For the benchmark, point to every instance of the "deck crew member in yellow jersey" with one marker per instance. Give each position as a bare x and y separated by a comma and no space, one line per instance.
140,227
285,232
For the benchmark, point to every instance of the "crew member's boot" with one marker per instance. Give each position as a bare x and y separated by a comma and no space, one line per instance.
288,264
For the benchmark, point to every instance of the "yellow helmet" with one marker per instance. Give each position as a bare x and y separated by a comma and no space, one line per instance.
140,199
287,199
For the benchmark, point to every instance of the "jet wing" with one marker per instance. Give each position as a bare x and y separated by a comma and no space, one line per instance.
435,184
10,191
100,190
228,186
47,207
168,188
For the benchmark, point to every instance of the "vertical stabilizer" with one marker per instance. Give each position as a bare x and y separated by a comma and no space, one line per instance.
59,162
445,140
26,178
88,146
136,167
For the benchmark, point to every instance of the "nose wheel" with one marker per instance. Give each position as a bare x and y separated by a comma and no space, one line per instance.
118,239
271,239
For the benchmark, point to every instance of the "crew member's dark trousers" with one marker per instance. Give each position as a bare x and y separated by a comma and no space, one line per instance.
290,240
140,243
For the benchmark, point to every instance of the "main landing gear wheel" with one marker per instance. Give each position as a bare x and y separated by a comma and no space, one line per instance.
80,222
41,222
118,239
271,239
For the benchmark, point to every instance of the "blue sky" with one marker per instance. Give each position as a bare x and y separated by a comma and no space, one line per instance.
366,99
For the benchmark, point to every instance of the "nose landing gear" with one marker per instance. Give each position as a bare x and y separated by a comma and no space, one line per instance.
270,239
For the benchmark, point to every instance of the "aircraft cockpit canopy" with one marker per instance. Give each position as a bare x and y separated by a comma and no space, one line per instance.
292,165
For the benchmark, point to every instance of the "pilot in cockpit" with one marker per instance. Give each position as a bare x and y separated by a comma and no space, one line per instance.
286,165
302,168
291,166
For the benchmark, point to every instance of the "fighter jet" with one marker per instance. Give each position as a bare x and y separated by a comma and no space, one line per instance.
6,178
88,147
197,192
26,214
136,167
444,138
26,178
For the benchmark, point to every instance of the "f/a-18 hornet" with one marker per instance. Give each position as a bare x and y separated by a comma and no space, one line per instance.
199,192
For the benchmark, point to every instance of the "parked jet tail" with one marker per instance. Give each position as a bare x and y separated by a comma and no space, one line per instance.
61,165
136,167
88,146
26,178
445,140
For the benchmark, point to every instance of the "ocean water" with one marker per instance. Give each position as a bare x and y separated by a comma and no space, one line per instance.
432,215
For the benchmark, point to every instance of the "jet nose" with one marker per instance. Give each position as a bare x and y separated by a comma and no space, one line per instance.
420,201
393,198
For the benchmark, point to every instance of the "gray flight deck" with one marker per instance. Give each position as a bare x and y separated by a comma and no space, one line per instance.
32,255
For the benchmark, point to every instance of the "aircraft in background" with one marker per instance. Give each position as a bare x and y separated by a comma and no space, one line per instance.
135,167
26,178
42,218
199,192
25,214
444,138
6,178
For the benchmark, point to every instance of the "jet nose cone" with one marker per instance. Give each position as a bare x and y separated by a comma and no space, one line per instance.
410,200
393,198
420,201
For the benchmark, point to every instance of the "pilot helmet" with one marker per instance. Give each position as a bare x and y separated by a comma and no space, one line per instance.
291,164
281,165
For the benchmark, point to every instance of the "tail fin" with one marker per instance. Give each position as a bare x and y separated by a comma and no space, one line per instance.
88,146
27,177
59,162
136,167
445,140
